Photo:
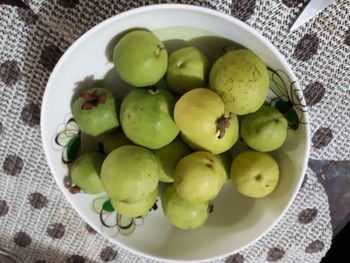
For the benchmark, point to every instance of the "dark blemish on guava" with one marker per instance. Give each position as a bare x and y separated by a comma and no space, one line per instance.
92,99
258,177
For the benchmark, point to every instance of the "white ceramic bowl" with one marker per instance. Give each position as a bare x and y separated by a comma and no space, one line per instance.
237,221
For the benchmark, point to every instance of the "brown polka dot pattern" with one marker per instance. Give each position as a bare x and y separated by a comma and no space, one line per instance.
75,259
108,254
347,37
243,10
17,3
56,230
3,208
306,47
68,3
30,115
314,247
37,200
10,72
12,165
307,215
22,239
293,3
49,57
236,258
322,137
314,93
27,15
39,261
304,181
90,229
275,254
1,128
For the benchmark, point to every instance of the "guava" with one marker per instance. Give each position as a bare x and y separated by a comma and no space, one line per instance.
199,177
188,69
95,111
255,174
140,58
114,140
225,159
205,125
168,157
85,173
241,79
264,130
182,213
135,209
146,117
130,174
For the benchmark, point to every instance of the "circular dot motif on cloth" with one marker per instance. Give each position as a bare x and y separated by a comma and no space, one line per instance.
322,137
3,208
40,261
56,230
307,215
30,115
10,72
293,3
304,181
68,3
75,259
306,47
90,229
37,200
236,258
27,15
12,165
22,239
314,247
347,37
49,57
108,254
275,254
243,10
314,93
1,128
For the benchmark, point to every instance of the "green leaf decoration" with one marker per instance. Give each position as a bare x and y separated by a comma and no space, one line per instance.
292,118
73,147
107,206
282,106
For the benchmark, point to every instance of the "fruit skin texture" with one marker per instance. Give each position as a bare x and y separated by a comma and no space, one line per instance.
135,209
168,157
140,58
100,119
130,174
241,79
199,177
85,173
255,174
196,114
114,140
181,213
188,69
146,117
264,130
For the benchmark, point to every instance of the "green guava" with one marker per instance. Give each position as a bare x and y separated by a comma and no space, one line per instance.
85,173
188,69
264,130
181,213
255,174
241,79
114,140
168,157
130,174
95,111
146,117
140,58
204,124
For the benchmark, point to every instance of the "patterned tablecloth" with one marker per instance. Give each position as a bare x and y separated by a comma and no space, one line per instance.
35,219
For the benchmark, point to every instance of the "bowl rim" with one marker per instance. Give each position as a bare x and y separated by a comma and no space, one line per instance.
160,7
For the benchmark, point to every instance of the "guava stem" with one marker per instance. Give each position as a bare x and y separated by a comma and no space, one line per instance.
157,52
153,90
223,123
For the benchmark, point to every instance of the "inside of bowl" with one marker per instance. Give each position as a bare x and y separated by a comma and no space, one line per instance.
237,220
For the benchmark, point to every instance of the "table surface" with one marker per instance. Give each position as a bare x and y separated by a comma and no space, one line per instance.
333,175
